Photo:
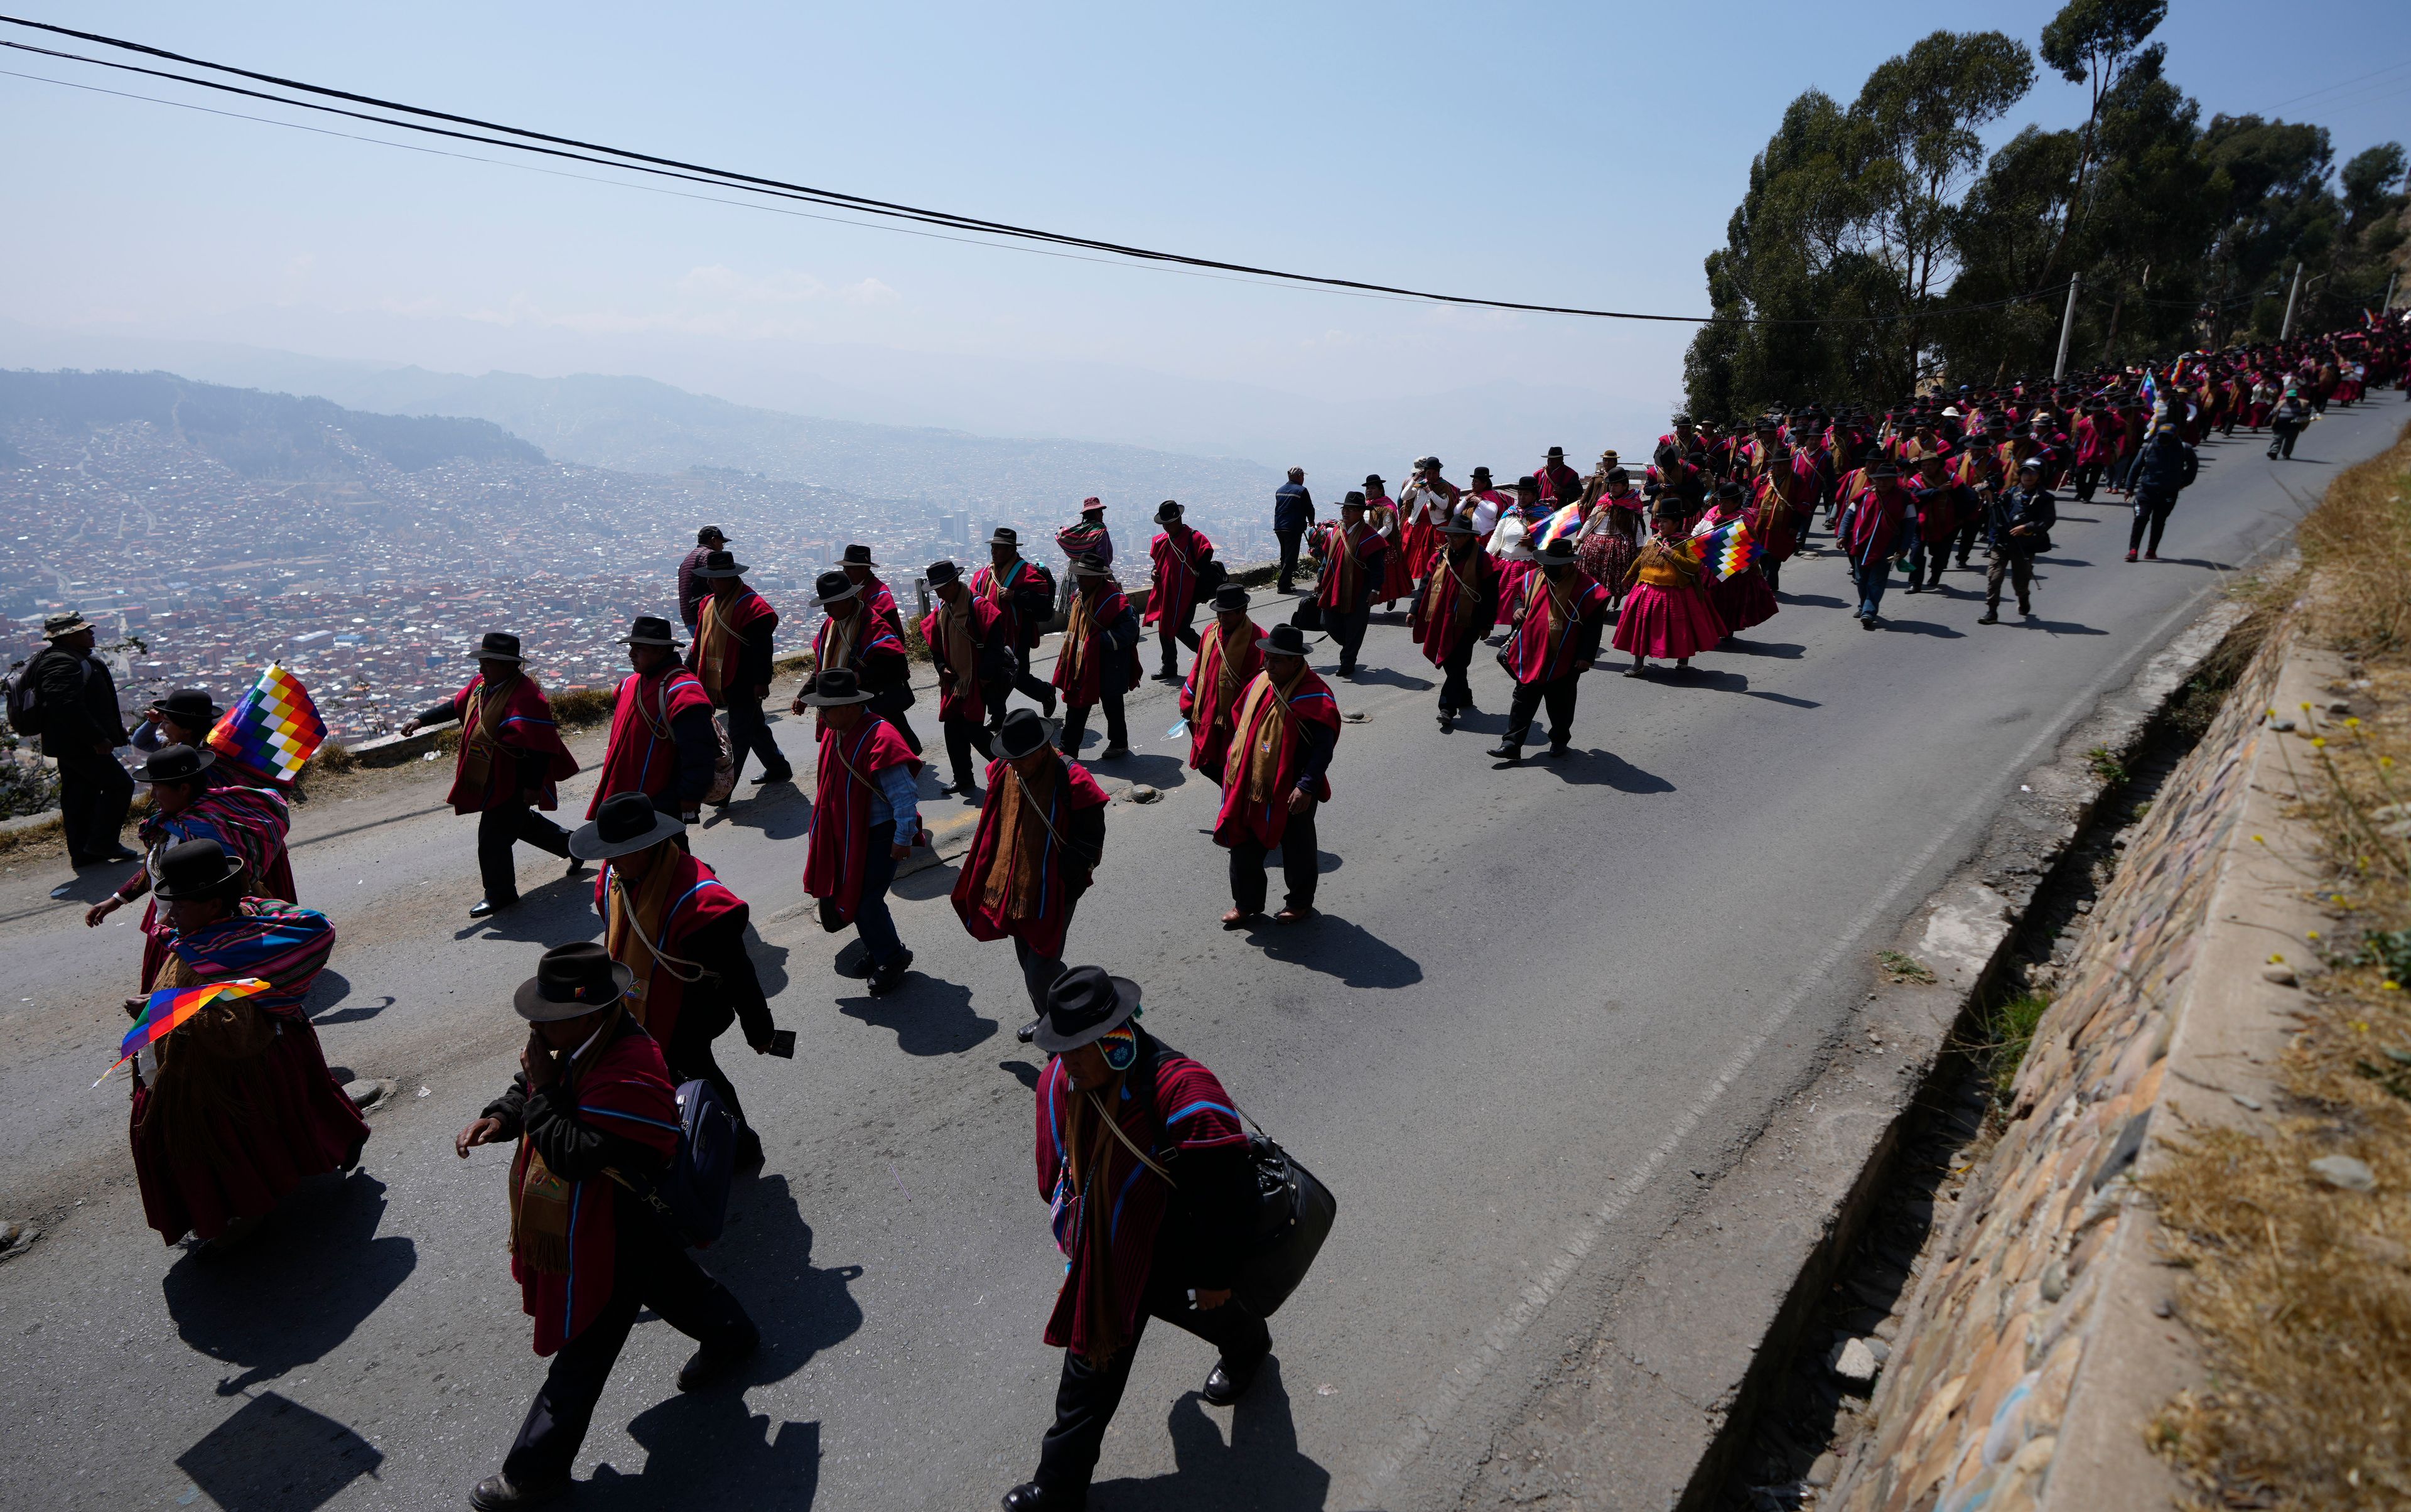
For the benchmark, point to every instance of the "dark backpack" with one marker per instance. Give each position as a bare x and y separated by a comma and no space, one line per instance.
1034,602
24,685
691,1194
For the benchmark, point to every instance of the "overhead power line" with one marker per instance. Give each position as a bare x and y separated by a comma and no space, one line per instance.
516,139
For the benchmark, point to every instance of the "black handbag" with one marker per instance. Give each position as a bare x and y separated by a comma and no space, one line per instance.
1211,576
1307,615
1293,1215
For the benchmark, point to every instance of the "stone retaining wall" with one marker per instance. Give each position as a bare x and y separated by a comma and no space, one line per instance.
2035,1348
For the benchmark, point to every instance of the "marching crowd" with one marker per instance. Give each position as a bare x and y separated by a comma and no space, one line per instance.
1154,1186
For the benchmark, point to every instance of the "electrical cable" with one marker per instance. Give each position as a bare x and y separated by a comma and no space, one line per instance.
575,150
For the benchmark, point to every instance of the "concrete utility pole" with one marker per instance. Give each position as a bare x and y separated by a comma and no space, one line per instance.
2387,303
2066,329
2286,332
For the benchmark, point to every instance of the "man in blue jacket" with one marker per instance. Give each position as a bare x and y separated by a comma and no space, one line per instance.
1292,512
2166,466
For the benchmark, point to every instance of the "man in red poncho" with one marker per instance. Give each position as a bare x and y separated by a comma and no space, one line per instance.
866,817
1227,661
662,744
592,1098
674,924
1040,837
510,763
1557,616
1098,661
731,655
1876,525
1352,556
1146,1173
1281,741
966,639
879,601
1180,553
1022,593
1457,606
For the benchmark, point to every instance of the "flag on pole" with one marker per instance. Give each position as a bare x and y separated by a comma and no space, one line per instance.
1728,549
167,1010
275,726
1559,527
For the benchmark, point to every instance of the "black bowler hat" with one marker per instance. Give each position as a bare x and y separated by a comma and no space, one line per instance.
831,587
626,823
1728,489
1168,512
191,707
176,764
1373,481
496,647
572,981
1483,473
837,685
856,555
943,572
1884,470
650,631
1021,733
722,565
1558,453
1084,1005
1527,481
1283,640
195,869
1355,500
1230,598
709,533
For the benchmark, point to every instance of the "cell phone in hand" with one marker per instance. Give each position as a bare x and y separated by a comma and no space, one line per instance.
783,1043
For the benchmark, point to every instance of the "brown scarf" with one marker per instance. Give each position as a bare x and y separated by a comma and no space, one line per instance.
540,1199
1013,876
715,650
1087,1144
954,629
1222,699
480,745
1074,657
631,924
1257,762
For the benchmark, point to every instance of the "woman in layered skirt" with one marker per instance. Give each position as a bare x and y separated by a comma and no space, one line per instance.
1667,615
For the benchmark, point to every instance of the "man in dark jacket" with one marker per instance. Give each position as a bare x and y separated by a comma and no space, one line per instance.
2166,466
593,1097
81,727
2286,424
2017,524
692,590
1153,1235
1292,512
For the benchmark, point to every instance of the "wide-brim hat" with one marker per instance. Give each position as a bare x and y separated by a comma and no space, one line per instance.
1481,472
1084,1005
1230,598
625,824
941,572
1457,525
650,630
837,685
1355,500
1090,564
1023,732
1558,452
1283,640
191,706
176,764
495,646
856,555
195,869
835,588
1006,535
722,565
63,625
1090,505
1167,512
1373,480
572,981
1556,554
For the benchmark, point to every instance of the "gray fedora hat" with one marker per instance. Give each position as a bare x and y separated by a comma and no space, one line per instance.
1084,1005
626,823
570,982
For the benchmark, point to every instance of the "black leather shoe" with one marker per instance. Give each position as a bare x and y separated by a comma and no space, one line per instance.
118,853
498,1493
1510,754
749,1153
576,867
1027,1032
1992,616
709,1364
488,908
784,774
1558,750
1033,1497
1228,1384
886,979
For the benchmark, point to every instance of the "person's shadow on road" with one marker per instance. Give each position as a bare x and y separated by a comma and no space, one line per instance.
275,1453
561,911
1596,768
1336,947
247,1307
332,988
930,1016
1260,1468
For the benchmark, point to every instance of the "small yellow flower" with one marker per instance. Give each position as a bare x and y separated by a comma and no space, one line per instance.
2352,724
2306,707
2257,840
2385,763
2361,1026
2312,934
2390,987
2276,959
2318,743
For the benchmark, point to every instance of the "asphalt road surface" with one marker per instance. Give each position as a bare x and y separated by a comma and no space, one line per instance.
1539,999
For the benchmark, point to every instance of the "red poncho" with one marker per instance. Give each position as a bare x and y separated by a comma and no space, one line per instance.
1878,518
1179,552
1447,612
646,920
721,626
838,856
954,636
1399,563
1210,697
1080,663
1352,566
642,754
1549,620
627,1092
494,733
1267,748
1090,1178
1015,878
881,602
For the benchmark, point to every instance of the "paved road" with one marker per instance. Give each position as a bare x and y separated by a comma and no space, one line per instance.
1540,1000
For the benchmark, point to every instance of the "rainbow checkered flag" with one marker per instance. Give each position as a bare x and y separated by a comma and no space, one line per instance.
1728,549
275,726
1564,525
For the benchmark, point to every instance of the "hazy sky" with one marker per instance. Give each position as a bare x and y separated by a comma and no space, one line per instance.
1568,153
